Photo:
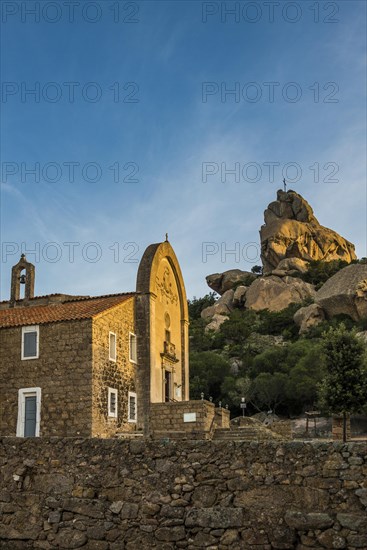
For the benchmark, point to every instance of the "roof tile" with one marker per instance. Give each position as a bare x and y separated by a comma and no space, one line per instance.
84,308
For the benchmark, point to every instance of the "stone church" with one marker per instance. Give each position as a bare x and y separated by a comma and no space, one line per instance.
94,366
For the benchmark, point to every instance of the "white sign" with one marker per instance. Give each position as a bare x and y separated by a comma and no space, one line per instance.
189,417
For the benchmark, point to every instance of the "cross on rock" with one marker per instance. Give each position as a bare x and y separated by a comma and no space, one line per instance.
285,185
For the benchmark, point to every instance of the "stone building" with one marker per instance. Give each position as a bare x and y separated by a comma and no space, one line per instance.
93,366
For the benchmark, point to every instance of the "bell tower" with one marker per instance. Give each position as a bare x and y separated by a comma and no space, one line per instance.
22,273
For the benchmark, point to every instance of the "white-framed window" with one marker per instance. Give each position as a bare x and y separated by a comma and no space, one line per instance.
112,402
132,348
30,342
112,345
29,412
132,409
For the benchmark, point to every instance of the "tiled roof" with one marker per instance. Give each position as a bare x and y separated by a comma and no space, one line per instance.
80,308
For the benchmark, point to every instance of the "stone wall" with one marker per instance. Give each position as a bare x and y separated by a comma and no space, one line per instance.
222,418
63,372
104,494
168,419
119,374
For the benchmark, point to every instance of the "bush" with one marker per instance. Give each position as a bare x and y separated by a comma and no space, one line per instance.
280,322
237,329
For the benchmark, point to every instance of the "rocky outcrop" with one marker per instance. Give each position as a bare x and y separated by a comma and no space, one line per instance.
290,239
292,231
345,292
276,293
223,306
290,266
221,282
239,296
308,317
216,322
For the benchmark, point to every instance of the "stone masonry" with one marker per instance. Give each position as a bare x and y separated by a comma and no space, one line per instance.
63,371
119,374
109,494
168,419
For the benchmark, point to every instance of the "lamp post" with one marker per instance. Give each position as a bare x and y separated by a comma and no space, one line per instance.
243,406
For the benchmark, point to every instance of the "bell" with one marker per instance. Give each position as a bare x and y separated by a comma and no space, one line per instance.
22,279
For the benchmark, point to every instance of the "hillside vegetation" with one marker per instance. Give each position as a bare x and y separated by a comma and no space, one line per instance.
260,355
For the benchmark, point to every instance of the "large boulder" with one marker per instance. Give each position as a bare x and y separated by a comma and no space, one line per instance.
345,292
216,322
292,231
221,282
307,317
239,296
276,293
223,306
290,266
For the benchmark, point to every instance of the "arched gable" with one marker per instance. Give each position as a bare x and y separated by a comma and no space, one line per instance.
162,328
150,278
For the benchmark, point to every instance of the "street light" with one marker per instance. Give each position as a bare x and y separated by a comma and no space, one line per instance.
243,405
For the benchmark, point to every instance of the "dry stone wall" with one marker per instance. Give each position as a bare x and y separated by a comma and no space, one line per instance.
106,494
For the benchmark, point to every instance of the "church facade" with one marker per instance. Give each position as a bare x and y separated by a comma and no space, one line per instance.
93,366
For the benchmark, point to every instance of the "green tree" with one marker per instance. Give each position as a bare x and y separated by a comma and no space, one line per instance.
207,373
269,390
233,389
344,387
280,322
236,329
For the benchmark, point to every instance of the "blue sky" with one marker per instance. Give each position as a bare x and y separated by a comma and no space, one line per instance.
150,101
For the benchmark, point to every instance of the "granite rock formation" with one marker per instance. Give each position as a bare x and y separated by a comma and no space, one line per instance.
291,230
221,282
276,293
308,317
223,306
290,238
345,292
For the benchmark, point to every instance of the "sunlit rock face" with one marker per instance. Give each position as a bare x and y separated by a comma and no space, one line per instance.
292,231
345,292
276,293
221,282
308,317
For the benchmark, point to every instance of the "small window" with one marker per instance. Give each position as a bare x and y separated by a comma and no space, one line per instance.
132,347
132,407
112,346
112,403
29,412
30,342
